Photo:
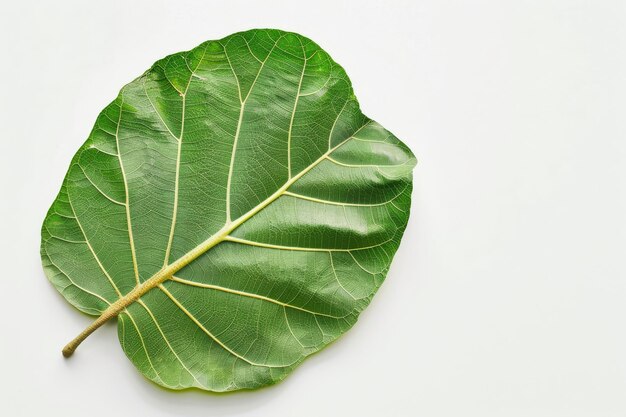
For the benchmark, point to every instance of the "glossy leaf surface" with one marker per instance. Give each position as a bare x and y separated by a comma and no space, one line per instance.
247,164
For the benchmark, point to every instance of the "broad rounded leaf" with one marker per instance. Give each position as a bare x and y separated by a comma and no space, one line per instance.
235,207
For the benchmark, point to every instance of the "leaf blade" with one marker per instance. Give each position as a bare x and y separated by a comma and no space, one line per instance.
248,169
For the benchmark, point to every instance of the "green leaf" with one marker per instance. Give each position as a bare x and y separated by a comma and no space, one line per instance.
233,208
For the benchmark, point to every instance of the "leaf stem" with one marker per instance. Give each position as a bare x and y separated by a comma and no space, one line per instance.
114,309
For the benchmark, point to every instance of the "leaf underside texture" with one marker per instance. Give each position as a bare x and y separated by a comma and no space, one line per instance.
244,177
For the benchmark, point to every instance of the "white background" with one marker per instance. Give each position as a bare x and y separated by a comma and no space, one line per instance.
508,294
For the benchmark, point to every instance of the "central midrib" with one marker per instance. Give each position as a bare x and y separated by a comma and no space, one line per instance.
168,271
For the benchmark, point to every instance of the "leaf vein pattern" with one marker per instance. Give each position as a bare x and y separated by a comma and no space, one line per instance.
98,188
145,349
208,333
299,248
338,203
72,282
239,121
128,216
93,253
156,323
295,107
178,155
250,295
332,266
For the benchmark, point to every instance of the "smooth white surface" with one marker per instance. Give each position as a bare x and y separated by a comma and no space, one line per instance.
508,294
